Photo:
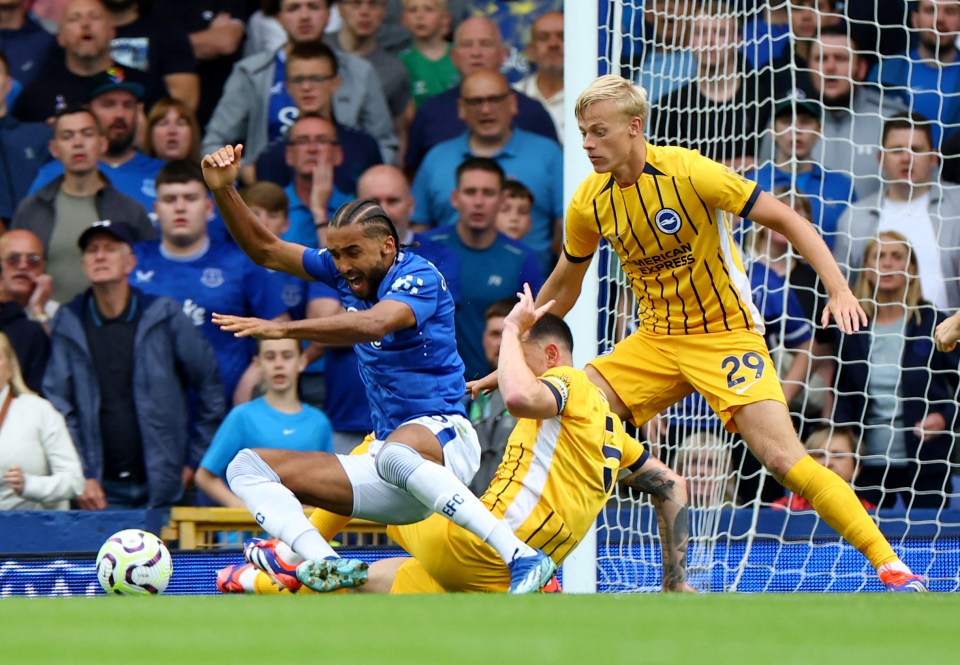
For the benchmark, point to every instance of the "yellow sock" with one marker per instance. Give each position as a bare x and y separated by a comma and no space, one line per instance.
839,507
327,523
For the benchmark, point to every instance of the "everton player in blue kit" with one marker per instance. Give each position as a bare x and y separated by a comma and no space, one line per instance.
399,317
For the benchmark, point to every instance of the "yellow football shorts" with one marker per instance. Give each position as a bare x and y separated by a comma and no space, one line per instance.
447,558
651,372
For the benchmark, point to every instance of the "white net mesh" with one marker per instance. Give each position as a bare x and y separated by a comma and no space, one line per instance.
736,84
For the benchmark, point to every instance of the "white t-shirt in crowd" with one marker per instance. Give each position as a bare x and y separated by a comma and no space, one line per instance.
912,219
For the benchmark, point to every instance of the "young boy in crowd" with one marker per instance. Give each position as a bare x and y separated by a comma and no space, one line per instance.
277,420
514,219
428,60
269,203
797,126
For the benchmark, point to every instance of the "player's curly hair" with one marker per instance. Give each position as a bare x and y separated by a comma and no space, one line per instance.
373,220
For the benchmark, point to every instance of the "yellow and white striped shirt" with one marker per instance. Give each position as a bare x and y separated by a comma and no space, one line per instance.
673,238
557,474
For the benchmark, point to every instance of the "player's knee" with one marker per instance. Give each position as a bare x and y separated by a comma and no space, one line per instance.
780,461
396,462
247,466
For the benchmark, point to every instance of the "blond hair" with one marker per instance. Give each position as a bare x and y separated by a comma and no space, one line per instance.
701,449
864,290
17,385
631,99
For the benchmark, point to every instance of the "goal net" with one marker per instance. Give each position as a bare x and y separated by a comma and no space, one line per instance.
735,80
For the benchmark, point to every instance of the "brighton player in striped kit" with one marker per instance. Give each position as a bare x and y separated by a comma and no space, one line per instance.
663,210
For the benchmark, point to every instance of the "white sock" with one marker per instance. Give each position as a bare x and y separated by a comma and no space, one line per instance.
275,507
310,545
436,487
897,565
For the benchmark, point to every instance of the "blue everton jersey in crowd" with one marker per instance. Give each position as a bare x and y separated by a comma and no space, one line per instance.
783,315
256,424
412,372
222,279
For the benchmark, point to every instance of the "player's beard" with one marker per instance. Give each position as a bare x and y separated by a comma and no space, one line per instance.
373,279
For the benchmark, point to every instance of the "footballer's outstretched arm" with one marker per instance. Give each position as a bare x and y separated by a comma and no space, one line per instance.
843,305
563,285
370,325
220,171
668,492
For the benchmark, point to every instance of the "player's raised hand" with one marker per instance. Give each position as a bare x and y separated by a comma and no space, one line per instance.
221,168
526,313
846,311
947,334
248,326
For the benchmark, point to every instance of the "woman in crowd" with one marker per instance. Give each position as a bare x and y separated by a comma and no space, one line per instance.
894,387
40,466
172,131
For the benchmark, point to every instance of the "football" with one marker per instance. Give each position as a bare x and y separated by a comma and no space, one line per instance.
134,562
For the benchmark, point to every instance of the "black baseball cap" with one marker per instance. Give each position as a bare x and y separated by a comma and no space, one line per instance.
118,230
797,105
115,78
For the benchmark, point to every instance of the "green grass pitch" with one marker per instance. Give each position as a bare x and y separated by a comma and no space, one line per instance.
817,629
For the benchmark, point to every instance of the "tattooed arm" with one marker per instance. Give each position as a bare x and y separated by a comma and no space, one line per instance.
668,492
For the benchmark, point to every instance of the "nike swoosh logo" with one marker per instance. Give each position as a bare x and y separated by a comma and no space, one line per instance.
743,389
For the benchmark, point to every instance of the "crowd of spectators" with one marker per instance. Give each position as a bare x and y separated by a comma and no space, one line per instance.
450,114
